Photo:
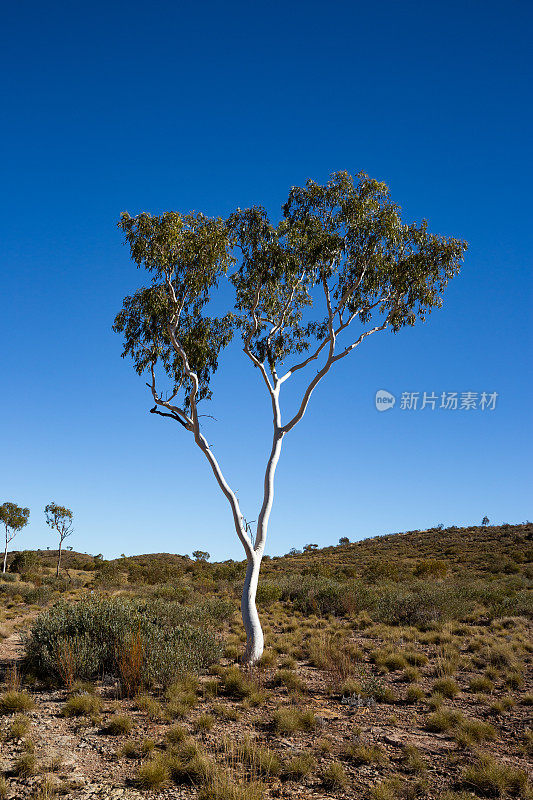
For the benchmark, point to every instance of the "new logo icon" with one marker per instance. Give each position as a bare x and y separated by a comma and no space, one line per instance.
384,400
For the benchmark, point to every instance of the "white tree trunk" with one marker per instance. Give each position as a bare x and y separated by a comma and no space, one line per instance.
250,617
59,559
5,558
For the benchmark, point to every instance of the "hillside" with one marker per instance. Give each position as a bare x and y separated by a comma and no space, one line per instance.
395,668
494,549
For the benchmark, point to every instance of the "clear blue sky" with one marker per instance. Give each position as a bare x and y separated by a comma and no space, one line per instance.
150,107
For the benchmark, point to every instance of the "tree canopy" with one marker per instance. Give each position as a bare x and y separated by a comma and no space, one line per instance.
340,254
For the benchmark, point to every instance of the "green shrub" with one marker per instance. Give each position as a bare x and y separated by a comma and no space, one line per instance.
447,687
268,593
442,721
289,720
25,765
81,705
412,760
99,632
19,726
366,754
237,684
471,731
334,776
12,702
480,683
152,774
415,694
118,725
495,779
298,766
289,679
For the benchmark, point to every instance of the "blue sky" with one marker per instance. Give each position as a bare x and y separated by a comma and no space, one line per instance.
129,106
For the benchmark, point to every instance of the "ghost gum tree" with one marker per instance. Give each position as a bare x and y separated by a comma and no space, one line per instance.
60,519
338,267
13,518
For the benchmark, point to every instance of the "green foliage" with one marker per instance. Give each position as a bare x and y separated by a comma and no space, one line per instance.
334,776
268,593
19,726
14,701
185,255
447,687
13,517
201,555
153,774
287,720
81,705
118,725
299,766
326,236
173,639
492,778
25,765
24,562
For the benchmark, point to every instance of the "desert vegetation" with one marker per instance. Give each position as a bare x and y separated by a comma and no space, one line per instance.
396,667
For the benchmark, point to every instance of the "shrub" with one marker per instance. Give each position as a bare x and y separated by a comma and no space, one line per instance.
431,568
298,766
447,687
480,683
412,760
442,721
19,726
11,702
203,723
493,778
289,720
422,604
81,705
474,730
268,593
415,694
25,765
289,679
176,734
152,774
334,654
416,658
149,705
118,725
26,561
260,760
237,684
366,754
334,776
160,641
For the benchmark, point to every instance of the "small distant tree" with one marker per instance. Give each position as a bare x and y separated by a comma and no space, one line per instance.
14,518
344,540
485,521
339,266
308,548
59,518
201,555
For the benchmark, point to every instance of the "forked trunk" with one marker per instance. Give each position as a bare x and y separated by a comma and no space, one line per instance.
250,617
